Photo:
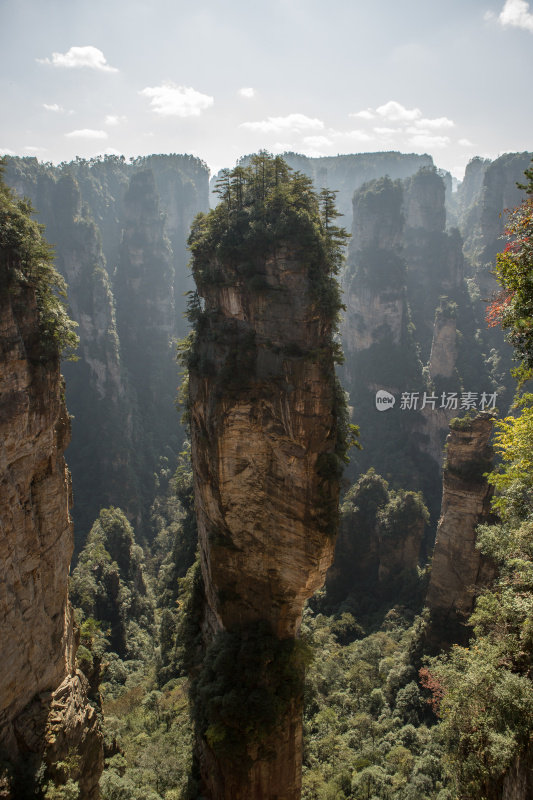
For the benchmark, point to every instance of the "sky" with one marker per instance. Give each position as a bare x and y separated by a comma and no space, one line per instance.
223,78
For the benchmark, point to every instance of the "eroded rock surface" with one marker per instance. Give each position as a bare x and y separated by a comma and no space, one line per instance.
36,541
459,570
263,409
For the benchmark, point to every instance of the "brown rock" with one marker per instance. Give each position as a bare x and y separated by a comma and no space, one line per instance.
459,570
263,432
36,626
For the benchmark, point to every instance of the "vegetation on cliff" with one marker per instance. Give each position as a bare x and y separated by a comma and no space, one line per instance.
371,730
262,206
26,260
513,307
379,546
109,585
484,692
122,401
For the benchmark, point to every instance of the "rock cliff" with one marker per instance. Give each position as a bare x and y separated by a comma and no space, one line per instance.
45,714
379,342
459,570
379,542
409,329
264,409
119,231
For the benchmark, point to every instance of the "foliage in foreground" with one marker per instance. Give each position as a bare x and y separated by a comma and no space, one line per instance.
484,692
368,726
26,260
513,306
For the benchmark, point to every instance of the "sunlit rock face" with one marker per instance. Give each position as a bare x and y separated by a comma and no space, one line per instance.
459,571
36,543
263,425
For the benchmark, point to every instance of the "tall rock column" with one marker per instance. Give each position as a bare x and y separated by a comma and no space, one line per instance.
45,715
146,325
459,570
264,406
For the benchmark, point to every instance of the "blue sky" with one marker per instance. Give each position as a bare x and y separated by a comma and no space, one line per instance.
223,78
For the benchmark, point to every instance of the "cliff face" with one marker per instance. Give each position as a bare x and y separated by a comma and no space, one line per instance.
400,530
434,256
379,340
458,570
263,411
44,710
443,357
347,173
256,451
110,222
374,287
483,222
409,329
37,531
379,542
97,390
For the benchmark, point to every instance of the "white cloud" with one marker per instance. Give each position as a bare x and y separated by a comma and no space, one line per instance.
395,112
247,92
110,151
170,100
516,13
87,133
317,141
465,143
34,149
366,114
353,136
77,57
292,122
439,123
114,119
4,151
426,140
387,131
53,107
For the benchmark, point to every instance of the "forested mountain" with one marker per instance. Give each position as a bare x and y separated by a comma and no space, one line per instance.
161,623
119,230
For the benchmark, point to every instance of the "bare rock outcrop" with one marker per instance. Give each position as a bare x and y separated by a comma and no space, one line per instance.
263,404
262,427
459,570
36,541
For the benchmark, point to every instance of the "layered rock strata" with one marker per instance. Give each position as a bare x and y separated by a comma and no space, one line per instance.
43,699
459,571
263,425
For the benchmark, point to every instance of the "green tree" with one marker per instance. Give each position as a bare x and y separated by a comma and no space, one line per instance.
485,693
26,261
513,306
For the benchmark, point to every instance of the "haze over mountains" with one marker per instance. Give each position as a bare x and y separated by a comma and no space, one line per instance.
119,231
186,678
